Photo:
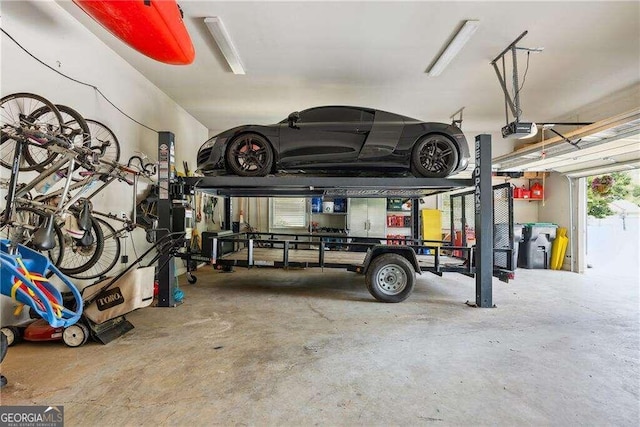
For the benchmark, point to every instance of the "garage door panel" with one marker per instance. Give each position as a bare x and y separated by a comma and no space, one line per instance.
619,150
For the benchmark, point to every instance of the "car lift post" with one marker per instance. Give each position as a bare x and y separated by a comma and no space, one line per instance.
166,274
228,214
483,221
416,224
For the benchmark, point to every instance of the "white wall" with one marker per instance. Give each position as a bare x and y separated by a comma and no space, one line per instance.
54,36
558,208
618,102
523,210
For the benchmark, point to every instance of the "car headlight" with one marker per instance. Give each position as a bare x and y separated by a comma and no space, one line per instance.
210,143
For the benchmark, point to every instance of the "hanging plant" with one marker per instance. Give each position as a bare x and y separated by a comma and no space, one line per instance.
602,184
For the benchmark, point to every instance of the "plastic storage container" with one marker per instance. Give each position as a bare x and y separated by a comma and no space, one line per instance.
394,204
327,207
535,248
339,205
316,204
517,192
537,191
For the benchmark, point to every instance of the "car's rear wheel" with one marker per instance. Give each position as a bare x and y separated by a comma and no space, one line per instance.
434,156
249,155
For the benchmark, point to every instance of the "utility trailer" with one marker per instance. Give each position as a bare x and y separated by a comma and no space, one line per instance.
389,270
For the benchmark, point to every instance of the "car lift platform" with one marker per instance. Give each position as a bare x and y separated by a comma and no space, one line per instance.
297,185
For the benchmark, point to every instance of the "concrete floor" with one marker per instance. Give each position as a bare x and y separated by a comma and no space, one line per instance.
271,347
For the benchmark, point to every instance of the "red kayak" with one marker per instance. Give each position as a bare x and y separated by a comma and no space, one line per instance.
152,27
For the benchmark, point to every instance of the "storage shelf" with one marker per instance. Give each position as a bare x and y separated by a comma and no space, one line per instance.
328,213
399,221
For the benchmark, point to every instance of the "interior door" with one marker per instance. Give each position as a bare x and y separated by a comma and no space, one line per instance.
324,135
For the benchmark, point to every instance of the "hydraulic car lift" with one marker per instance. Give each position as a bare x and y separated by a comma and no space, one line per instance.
335,186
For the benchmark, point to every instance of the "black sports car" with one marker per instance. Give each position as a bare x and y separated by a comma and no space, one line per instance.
336,138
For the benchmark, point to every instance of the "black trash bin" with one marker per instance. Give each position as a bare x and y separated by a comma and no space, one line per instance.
535,248
501,241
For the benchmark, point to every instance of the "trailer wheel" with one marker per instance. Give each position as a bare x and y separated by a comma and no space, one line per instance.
390,278
13,335
75,335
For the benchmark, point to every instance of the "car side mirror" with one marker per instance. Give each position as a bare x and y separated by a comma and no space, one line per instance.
293,119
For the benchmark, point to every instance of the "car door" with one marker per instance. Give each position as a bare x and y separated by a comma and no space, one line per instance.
324,136
384,136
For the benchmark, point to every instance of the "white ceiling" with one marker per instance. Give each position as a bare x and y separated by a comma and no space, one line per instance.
301,54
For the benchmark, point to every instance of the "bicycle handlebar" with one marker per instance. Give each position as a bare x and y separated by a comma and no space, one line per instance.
85,156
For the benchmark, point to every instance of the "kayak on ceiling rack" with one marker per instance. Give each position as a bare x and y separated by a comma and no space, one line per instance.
153,28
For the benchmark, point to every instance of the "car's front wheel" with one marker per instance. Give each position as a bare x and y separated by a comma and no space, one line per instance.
249,155
434,156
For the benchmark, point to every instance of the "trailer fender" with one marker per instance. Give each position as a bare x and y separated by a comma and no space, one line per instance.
403,251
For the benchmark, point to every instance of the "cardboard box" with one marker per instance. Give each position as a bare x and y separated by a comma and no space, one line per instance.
535,175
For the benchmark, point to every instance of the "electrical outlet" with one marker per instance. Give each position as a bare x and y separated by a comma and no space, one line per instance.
123,215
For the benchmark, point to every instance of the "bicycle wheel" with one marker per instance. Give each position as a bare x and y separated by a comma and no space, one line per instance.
104,142
74,129
79,134
78,258
16,114
110,253
31,219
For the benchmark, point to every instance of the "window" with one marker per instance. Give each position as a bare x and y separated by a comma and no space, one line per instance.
288,212
331,115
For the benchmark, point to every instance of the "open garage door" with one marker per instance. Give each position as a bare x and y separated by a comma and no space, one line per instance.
604,147
613,224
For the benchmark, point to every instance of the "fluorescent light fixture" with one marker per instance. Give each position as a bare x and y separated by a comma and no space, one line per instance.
453,48
222,38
